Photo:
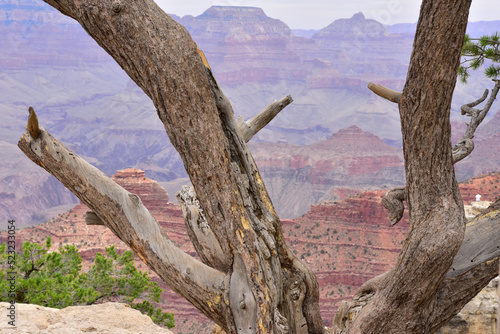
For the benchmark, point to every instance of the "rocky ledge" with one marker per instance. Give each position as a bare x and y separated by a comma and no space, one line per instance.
108,318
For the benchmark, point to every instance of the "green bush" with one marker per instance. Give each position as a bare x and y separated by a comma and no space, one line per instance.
56,279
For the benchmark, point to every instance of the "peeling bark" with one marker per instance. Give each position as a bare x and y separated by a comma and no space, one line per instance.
465,145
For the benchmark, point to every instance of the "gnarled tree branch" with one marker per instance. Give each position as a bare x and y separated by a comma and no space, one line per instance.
393,199
124,214
465,145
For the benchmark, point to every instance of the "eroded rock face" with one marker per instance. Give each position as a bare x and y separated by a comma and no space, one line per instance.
108,318
349,162
479,316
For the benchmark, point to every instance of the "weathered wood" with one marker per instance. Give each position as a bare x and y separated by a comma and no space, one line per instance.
125,215
202,237
481,242
260,283
92,219
437,224
465,145
263,252
241,299
386,93
255,124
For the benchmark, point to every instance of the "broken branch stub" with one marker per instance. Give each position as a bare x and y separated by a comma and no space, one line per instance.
255,124
32,126
386,93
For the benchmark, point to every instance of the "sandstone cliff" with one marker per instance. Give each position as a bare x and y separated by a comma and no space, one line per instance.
107,318
349,162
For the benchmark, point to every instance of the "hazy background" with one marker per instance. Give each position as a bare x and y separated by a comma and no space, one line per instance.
317,14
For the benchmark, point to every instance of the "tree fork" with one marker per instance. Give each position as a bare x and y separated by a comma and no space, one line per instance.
159,55
125,215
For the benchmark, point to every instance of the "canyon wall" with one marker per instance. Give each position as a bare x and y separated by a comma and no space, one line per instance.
345,242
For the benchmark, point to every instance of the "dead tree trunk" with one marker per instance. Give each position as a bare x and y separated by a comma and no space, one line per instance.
248,280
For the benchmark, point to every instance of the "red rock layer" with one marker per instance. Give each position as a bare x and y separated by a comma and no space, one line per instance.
345,242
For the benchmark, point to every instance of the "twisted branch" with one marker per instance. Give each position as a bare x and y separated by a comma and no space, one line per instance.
465,145
393,199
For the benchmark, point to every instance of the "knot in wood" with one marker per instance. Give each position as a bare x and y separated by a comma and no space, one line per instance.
116,7
135,199
242,302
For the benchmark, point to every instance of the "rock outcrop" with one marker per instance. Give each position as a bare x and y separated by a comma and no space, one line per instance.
355,27
349,162
107,318
479,316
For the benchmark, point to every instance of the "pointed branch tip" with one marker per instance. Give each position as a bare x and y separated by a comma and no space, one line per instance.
32,126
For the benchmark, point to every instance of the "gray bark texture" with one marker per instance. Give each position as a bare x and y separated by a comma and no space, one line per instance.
247,280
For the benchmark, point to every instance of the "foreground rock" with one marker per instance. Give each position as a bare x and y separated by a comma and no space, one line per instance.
109,318
478,316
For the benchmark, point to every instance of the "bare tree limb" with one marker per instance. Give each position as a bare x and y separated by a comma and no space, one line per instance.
255,124
386,93
465,145
124,214
481,241
393,199
200,233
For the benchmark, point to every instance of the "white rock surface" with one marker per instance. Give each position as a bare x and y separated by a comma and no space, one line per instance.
108,318
475,208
